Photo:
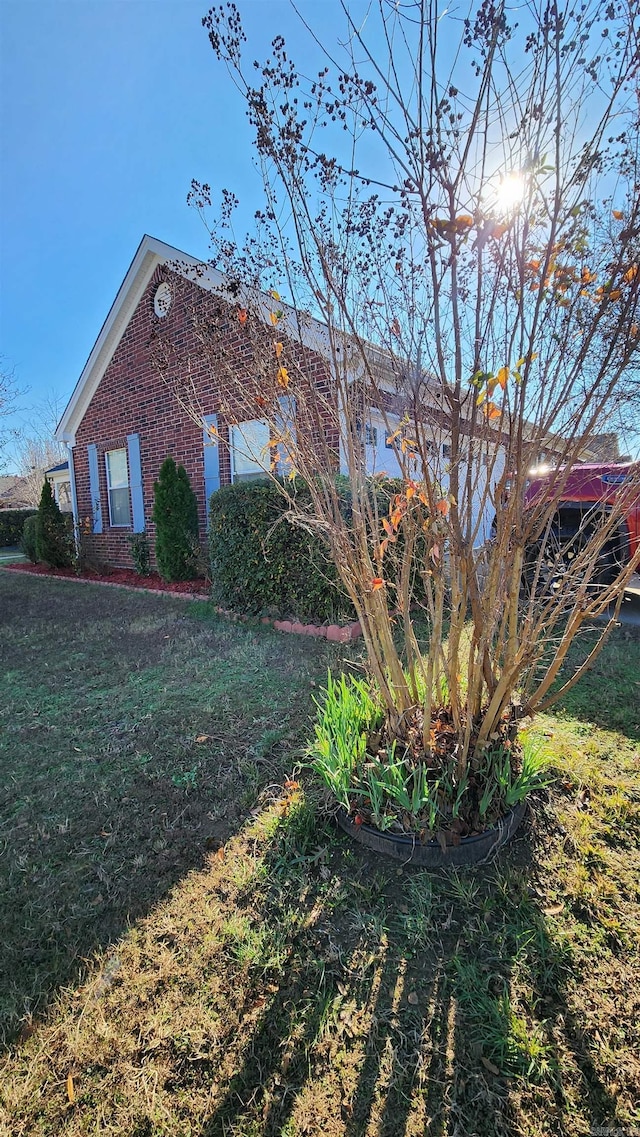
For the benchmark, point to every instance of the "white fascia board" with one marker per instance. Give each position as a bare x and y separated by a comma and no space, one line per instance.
150,253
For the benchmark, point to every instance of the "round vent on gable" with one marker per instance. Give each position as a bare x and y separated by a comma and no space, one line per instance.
162,299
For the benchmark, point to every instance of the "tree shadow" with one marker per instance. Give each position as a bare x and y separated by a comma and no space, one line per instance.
135,741
401,1025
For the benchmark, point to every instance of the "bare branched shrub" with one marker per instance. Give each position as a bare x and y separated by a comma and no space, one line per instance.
453,216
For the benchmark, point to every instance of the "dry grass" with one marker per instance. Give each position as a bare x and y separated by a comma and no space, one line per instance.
272,979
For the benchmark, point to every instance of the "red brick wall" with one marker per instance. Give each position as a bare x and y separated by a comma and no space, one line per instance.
132,398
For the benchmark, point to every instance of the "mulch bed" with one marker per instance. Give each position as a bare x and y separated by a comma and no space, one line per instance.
126,577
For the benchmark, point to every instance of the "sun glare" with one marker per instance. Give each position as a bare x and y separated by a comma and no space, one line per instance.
509,192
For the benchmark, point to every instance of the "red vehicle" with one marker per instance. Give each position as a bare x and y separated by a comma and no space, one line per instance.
585,501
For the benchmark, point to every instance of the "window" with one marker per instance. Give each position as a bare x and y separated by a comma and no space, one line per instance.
250,454
118,487
370,435
62,494
446,452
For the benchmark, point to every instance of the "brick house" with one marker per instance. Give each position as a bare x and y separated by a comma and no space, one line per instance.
123,418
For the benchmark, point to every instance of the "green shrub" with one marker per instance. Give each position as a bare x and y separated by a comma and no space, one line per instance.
29,538
261,562
12,525
175,515
54,542
140,553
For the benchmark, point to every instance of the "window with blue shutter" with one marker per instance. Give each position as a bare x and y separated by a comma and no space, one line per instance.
286,426
211,458
94,487
135,483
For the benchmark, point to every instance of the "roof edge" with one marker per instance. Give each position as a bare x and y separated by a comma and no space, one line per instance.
150,253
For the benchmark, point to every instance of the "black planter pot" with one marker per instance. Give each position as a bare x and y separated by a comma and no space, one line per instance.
470,851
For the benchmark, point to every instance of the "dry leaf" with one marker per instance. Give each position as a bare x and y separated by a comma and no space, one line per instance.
202,737
553,910
220,853
489,1066
71,1093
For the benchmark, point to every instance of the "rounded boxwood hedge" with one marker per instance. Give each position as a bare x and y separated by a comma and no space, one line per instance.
263,563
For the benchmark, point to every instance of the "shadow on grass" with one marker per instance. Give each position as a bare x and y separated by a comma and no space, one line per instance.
133,740
397,1016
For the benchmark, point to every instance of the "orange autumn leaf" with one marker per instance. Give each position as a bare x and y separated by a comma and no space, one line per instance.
276,295
260,401
634,329
396,518
242,315
499,231
279,349
464,221
631,274
382,548
386,525
492,411
618,214
376,583
410,492
273,316
423,498
502,376
442,507
615,294
283,377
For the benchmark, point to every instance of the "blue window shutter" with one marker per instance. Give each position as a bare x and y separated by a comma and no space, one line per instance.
286,424
211,460
135,482
94,487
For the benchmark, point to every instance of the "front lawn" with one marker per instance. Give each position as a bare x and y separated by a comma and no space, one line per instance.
189,947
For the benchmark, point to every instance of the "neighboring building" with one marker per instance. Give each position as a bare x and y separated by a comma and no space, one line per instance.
61,485
123,420
13,492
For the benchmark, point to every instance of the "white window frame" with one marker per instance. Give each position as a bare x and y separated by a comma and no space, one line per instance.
261,471
118,450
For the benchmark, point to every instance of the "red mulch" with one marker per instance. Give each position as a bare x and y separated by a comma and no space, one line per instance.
118,576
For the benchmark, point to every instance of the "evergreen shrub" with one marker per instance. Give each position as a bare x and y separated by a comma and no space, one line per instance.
29,540
54,541
263,563
12,525
175,515
140,553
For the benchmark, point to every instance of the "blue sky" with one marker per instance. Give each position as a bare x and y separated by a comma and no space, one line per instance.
108,109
